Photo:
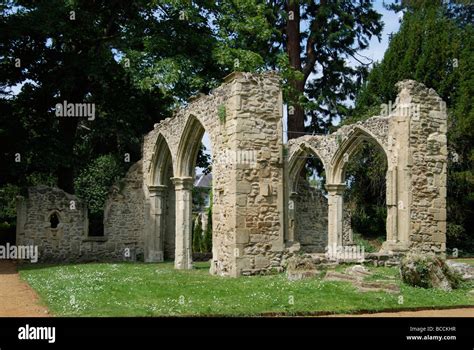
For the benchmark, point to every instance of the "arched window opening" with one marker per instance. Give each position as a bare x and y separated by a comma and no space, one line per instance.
202,202
365,210
54,220
308,207
313,173
162,240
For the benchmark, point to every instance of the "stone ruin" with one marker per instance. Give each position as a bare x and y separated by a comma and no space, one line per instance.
262,212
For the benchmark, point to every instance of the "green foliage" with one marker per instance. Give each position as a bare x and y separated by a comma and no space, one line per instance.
288,74
371,246
94,182
202,240
204,159
245,31
197,236
285,151
198,195
339,30
423,270
136,61
366,191
133,60
208,234
314,172
221,112
255,35
8,195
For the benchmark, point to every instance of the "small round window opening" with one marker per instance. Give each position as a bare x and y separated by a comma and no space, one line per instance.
54,220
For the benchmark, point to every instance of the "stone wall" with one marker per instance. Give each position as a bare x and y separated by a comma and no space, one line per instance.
243,120
428,167
70,242
259,187
311,218
124,218
63,243
413,138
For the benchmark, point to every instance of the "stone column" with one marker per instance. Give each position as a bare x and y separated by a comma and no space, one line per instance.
156,233
335,213
291,216
391,190
183,252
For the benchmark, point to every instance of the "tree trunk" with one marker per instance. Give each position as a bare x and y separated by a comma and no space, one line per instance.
65,171
67,131
295,122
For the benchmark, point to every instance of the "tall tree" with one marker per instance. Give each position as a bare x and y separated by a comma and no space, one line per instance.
309,42
94,52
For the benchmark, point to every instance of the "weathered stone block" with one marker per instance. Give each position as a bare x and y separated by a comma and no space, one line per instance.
261,262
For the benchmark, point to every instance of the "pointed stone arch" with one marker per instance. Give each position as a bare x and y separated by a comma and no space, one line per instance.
297,160
348,147
188,148
54,219
307,207
349,142
160,225
161,162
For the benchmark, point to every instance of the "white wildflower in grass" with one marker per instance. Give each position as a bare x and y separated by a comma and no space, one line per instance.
155,290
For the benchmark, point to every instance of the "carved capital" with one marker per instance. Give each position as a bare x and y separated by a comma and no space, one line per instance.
335,189
183,183
157,190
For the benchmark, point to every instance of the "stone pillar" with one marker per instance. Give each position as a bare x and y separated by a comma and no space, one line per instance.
183,253
335,213
156,230
347,234
392,210
399,182
291,216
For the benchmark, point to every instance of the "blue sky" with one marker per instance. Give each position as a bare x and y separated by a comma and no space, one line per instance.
376,50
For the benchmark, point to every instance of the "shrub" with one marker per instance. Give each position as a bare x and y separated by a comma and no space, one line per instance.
94,181
221,112
207,243
197,236
93,184
8,195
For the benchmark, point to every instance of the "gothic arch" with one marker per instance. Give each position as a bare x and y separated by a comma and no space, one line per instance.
160,207
54,219
347,148
161,162
188,148
297,160
307,207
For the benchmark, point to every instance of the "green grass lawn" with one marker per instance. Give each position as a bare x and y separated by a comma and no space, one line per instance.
137,289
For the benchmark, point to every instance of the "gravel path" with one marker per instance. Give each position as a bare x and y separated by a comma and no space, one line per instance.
462,312
17,299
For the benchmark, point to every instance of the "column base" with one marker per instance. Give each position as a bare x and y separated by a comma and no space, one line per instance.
394,246
155,256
